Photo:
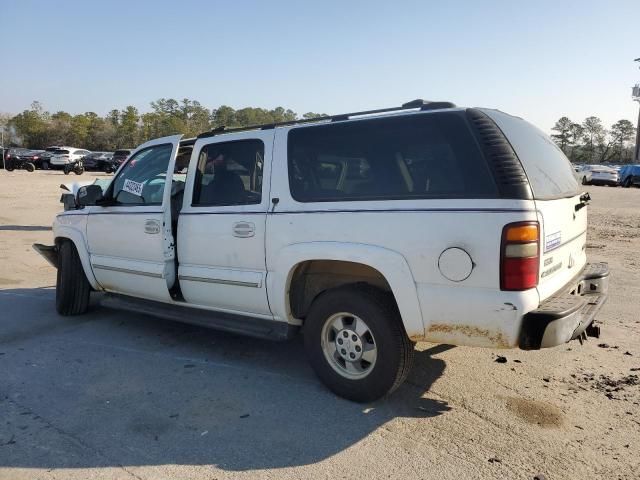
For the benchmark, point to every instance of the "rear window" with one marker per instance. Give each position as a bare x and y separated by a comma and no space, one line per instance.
61,152
548,169
416,156
122,152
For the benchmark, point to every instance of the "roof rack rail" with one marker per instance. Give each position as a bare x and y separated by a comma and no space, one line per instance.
414,104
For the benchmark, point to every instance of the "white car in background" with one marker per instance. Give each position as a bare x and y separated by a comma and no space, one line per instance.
597,175
67,156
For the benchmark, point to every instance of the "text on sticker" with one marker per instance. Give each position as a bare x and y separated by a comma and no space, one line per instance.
133,187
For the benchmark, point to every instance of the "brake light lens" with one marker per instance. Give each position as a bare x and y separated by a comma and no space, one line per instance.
520,256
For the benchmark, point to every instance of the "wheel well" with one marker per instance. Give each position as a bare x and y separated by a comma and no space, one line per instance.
312,277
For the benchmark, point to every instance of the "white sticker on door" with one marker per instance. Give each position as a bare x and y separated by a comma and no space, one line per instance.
133,187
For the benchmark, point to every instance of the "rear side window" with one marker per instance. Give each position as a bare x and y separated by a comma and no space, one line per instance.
416,156
548,169
229,173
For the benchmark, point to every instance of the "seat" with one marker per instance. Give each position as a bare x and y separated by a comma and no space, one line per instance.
226,188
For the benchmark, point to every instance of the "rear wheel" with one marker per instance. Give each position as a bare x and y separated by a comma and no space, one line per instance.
356,343
584,181
72,286
9,166
45,165
627,183
78,170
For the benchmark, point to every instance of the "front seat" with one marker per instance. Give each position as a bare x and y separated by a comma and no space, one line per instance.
226,188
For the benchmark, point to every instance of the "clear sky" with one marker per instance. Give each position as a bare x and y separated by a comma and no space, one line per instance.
537,59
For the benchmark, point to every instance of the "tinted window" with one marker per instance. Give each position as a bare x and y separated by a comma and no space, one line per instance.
229,173
416,156
548,169
61,152
141,181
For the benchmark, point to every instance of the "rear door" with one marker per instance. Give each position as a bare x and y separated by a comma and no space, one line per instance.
221,228
130,241
562,215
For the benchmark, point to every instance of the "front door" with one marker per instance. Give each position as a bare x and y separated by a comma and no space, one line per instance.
130,241
221,228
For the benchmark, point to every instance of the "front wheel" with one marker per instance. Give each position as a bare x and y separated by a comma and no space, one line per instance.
72,286
356,343
627,183
78,170
29,167
584,181
66,170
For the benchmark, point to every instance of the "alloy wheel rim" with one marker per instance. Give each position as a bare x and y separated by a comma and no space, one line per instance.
349,345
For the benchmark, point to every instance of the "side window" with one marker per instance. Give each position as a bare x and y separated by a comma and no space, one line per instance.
141,181
413,156
229,173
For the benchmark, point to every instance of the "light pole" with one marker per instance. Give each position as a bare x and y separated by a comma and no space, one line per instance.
635,94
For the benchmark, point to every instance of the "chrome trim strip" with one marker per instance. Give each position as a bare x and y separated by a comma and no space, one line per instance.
126,270
220,281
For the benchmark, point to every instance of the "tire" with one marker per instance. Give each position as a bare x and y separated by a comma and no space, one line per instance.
384,335
584,181
72,286
66,170
627,183
9,167
45,165
29,167
78,170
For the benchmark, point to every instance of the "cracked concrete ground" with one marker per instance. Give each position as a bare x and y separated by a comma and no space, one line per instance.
114,395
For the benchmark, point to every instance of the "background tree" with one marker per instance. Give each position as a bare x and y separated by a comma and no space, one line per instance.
623,131
593,135
562,137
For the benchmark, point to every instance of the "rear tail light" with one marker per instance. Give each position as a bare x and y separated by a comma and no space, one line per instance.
520,256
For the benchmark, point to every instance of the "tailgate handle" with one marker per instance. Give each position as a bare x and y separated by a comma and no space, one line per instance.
585,198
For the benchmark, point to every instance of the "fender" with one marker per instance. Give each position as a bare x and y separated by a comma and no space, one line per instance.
77,237
389,263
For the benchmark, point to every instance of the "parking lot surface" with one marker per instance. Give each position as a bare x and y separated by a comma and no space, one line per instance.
120,395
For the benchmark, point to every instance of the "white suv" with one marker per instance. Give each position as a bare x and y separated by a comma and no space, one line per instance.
367,231
67,156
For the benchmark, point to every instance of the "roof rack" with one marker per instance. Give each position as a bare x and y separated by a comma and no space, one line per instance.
412,105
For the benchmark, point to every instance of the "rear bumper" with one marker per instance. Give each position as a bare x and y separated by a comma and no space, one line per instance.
566,315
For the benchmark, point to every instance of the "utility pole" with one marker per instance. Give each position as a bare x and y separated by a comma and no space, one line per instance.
635,94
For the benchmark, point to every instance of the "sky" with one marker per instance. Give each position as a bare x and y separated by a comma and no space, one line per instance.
539,59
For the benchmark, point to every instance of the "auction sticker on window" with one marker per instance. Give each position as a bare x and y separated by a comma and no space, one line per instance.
133,187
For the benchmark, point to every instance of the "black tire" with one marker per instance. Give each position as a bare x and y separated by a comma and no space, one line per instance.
380,313
9,167
72,286
584,181
29,167
66,170
45,165
78,170
627,183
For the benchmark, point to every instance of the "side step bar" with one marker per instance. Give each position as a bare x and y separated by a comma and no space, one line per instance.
228,322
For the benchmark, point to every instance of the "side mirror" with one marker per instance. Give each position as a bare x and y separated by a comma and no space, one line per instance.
88,195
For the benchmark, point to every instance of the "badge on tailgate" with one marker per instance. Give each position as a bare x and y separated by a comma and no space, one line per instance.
553,240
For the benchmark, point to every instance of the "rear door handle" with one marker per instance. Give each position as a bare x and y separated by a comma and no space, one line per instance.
244,229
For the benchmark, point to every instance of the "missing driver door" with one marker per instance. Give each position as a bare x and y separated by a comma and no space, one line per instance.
130,241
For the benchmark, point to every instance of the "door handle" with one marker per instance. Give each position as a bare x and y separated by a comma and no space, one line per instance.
151,227
244,229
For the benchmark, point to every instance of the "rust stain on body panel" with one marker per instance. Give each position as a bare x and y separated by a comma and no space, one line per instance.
495,337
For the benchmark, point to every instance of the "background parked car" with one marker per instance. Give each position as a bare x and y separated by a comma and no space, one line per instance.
630,176
100,161
598,175
33,156
12,154
66,156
